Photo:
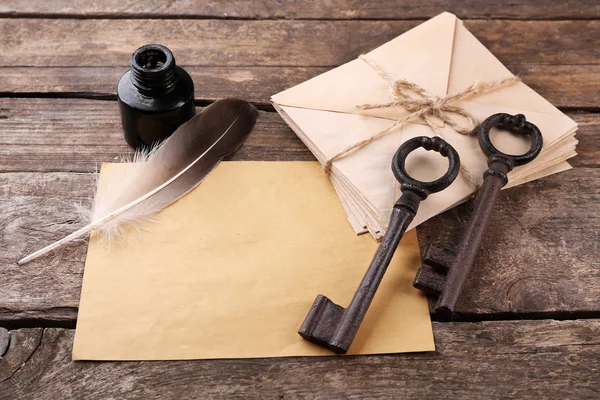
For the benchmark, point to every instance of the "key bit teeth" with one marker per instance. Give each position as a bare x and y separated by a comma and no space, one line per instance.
430,281
439,258
321,324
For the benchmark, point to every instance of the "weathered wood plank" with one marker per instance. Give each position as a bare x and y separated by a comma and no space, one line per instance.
336,9
542,251
492,360
588,149
571,86
49,292
72,42
74,135
255,84
565,86
23,344
4,342
77,135
541,258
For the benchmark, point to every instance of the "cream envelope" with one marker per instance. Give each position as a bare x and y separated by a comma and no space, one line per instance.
443,57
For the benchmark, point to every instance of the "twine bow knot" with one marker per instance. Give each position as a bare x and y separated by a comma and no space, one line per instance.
422,105
414,99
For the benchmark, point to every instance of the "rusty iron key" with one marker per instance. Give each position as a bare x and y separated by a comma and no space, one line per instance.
445,271
333,326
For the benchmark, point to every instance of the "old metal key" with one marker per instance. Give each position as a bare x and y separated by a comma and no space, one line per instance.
333,326
445,271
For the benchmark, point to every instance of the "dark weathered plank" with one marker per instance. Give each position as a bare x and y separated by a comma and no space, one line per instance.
71,42
542,254
255,84
565,86
75,135
48,291
588,149
23,344
336,9
541,257
491,360
571,86
4,341
545,252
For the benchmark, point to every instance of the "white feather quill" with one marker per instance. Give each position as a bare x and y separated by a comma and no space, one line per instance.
168,172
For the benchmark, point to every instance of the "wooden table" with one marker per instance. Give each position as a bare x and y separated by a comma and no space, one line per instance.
530,319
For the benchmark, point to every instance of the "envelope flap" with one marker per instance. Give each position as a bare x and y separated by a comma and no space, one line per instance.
472,61
422,55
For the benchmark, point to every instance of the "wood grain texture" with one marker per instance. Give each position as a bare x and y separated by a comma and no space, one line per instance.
541,252
49,292
491,360
289,9
102,43
547,255
566,86
23,345
541,258
4,342
76,135
588,149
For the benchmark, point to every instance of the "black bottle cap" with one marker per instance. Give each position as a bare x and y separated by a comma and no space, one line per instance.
153,70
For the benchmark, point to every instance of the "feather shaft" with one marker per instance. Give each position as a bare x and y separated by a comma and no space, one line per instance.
99,222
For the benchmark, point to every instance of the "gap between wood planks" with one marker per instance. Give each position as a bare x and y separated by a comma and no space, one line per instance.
467,318
421,18
198,102
289,9
112,97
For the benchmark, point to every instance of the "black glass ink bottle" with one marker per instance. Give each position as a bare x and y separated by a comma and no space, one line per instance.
155,96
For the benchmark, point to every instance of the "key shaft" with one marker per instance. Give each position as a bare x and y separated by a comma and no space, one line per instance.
445,272
339,332
335,327
472,238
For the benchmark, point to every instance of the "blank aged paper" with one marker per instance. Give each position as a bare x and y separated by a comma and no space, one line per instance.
231,270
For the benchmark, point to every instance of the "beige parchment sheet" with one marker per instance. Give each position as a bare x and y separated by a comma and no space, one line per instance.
231,270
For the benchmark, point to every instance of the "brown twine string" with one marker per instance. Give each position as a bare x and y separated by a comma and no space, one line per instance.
422,105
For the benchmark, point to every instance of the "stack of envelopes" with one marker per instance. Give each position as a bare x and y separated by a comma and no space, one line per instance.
442,57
